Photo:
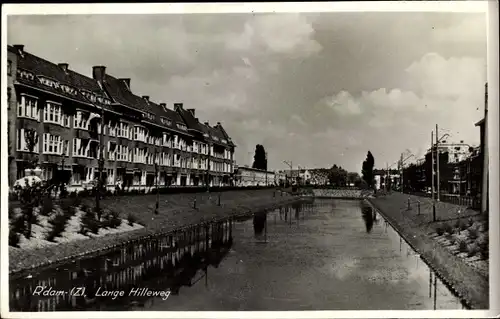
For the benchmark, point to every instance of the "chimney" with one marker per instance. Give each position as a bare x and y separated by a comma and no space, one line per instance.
145,97
126,81
163,105
206,123
192,111
177,105
19,47
64,66
218,123
98,73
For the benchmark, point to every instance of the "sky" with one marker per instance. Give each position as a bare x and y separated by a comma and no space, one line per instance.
315,89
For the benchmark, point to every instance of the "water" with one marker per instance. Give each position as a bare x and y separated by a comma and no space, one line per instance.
331,255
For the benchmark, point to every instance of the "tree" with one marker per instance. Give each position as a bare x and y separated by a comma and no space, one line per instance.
367,169
260,158
31,139
337,175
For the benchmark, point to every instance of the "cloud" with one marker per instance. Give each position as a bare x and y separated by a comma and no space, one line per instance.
317,89
288,34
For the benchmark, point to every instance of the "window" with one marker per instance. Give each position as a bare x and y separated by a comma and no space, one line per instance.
65,119
9,67
52,113
81,121
166,121
112,129
80,148
181,126
52,144
22,144
27,107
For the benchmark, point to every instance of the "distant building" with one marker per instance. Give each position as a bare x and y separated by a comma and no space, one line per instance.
247,176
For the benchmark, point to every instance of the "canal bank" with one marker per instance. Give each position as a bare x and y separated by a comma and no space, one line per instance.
173,215
469,284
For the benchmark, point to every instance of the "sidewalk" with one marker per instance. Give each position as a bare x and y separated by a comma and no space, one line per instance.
415,228
177,213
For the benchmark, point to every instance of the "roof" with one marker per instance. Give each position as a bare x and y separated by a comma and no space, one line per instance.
192,123
224,133
40,68
159,112
214,134
120,93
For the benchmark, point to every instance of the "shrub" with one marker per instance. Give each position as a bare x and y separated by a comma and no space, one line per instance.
85,208
47,206
13,239
89,223
77,201
458,225
470,222
12,213
63,192
115,220
19,224
473,250
447,228
473,233
73,194
58,226
439,231
484,248
462,246
131,219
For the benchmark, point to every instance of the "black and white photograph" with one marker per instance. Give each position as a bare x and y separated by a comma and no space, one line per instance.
176,160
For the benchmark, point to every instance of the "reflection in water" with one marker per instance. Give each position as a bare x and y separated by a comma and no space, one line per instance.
164,263
368,217
259,223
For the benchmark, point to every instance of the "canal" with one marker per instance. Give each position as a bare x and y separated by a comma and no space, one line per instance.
325,255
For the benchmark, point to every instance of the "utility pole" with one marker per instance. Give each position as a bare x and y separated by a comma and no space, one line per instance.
402,172
266,169
484,188
433,199
386,174
156,175
208,166
100,182
432,163
437,164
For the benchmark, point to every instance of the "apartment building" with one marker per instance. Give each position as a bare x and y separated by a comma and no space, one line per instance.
142,142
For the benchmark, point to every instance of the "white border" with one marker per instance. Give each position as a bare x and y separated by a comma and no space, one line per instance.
179,8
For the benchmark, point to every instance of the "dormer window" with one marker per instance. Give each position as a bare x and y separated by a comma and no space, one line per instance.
48,82
224,141
68,89
25,75
166,121
206,135
182,126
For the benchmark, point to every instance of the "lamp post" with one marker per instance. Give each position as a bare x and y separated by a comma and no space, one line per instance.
101,167
438,186
266,169
156,182
290,164
402,161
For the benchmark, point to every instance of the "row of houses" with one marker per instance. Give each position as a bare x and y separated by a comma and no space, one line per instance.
142,141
